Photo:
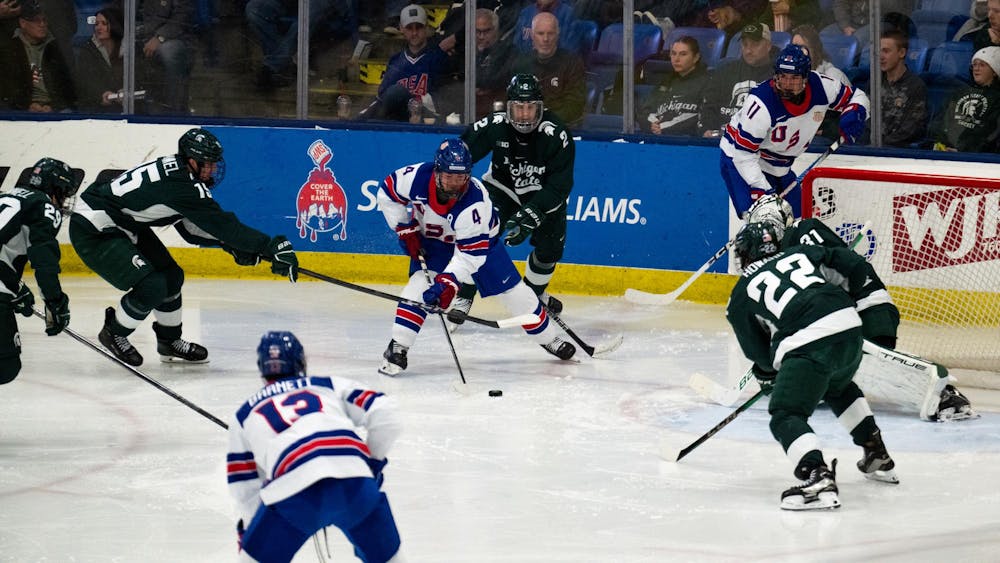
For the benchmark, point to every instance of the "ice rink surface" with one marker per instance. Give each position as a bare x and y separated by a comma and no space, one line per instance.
97,465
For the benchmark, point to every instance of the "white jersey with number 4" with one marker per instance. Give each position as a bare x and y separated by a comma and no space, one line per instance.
768,133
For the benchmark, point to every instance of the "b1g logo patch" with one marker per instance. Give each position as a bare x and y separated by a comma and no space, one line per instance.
321,204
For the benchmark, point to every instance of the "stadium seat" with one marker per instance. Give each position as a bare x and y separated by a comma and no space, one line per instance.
600,121
932,25
593,95
951,58
954,6
939,90
842,49
648,38
710,40
583,34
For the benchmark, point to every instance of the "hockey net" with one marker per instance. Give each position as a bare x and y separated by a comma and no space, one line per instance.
935,242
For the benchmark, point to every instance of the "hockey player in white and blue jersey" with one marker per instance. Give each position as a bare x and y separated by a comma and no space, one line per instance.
296,463
438,209
778,121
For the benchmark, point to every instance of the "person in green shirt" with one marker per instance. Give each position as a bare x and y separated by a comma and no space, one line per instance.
112,231
30,217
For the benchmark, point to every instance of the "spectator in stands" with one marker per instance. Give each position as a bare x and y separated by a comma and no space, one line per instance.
807,36
851,15
971,121
904,94
559,71
99,64
733,80
493,62
675,106
415,73
989,36
166,36
275,23
789,14
36,75
978,19
727,15
524,28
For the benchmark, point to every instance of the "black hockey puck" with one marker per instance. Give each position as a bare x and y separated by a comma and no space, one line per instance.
496,393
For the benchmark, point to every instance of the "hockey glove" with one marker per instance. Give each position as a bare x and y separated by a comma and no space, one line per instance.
409,238
377,465
56,314
852,123
241,257
283,259
764,378
443,291
24,301
520,226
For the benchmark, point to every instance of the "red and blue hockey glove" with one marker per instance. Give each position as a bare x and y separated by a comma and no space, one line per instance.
522,224
377,465
765,378
283,259
409,238
443,291
852,123
24,301
56,314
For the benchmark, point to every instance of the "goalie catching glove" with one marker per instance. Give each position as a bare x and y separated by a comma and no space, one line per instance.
409,238
24,301
283,259
764,378
443,291
56,314
522,224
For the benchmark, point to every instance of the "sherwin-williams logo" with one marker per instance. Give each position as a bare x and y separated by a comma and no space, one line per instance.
945,228
321,205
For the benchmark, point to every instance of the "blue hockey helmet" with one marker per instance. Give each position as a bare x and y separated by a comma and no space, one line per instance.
453,157
793,59
280,355
754,242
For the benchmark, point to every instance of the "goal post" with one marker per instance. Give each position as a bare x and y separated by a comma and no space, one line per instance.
935,242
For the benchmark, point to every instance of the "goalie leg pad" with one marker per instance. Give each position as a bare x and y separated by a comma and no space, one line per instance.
900,379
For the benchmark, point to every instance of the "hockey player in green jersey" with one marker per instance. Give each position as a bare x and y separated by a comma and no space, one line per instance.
112,231
30,217
529,180
801,331
879,317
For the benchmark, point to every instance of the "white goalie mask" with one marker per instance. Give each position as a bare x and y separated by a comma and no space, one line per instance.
772,209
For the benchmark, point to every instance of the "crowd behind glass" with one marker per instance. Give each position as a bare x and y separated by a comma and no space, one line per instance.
935,62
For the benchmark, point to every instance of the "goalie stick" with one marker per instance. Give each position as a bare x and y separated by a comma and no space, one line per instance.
727,396
499,323
645,298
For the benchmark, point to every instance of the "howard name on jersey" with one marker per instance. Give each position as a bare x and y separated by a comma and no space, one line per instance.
470,223
296,431
780,130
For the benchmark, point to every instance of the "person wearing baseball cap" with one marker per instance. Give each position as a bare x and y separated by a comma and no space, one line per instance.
36,72
971,120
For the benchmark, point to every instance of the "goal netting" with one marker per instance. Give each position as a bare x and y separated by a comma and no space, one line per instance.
935,242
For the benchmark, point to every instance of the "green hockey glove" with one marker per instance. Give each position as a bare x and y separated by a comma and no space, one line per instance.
24,301
522,224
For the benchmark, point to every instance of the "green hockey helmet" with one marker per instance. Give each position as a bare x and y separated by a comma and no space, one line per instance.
203,147
524,102
55,178
754,242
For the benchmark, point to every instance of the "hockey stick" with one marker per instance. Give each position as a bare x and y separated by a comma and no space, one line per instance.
726,396
645,298
444,324
138,373
715,429
590,350
500,323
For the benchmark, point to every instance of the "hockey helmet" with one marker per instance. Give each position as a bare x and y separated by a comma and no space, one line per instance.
452,158
754,242
55,178
203,147
793,59
280,355
524,102
772,209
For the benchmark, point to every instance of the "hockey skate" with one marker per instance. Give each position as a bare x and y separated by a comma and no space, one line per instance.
953,406
560,348
818,491
119,346
394,359
554,305
456,315
172,348
876,463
